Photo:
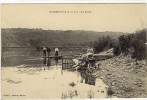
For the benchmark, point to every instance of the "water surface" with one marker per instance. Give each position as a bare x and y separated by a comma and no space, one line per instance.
18,56
25,72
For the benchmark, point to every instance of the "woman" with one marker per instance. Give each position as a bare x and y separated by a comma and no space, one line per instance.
56,55
56,51
44,51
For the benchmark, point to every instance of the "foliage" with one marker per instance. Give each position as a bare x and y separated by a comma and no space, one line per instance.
135,41
103,43
138,43
130,43
124,42
116,50
25,37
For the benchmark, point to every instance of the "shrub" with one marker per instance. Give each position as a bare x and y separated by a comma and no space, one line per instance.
124,42
103,43
116,50
138,43
135,41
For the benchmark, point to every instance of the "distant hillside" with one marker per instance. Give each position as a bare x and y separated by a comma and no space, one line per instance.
18,37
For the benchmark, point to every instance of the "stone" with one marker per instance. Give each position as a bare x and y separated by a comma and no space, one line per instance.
113,83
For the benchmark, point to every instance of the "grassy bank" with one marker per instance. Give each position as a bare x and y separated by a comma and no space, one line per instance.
125,76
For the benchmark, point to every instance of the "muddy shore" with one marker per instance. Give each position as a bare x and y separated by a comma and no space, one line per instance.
125,77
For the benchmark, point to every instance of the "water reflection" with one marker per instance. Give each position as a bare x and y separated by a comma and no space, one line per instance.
44,61
56,61
83,83
18,56
47,62
54,81
87,78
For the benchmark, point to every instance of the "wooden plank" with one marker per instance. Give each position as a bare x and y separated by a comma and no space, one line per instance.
67,58
52,57
99,55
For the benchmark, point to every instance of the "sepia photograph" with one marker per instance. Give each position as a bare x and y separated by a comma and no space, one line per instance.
66,51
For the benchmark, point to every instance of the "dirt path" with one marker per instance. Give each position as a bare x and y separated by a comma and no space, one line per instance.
125,78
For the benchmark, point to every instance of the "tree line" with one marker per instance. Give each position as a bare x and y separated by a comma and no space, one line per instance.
25,37
132,43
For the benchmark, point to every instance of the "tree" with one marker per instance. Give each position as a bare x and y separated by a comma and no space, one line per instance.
135,41
138,43
116,50
103,43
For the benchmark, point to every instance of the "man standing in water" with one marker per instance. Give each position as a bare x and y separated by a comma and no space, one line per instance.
56,55
48,51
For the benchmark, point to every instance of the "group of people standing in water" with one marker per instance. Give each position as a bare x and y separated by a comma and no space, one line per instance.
86,61
47,50
46,54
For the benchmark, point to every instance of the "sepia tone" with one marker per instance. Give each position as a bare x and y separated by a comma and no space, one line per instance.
73,51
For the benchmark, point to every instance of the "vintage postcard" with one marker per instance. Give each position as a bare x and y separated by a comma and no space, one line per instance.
66,51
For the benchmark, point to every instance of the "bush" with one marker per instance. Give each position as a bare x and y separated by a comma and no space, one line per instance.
103,43
124,42
136,41
116,50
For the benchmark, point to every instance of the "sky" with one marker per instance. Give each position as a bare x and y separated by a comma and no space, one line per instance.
100,17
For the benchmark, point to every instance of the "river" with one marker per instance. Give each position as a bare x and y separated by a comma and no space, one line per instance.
25,73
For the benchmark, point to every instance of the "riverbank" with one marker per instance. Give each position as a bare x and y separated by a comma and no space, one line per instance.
125,77
122,74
